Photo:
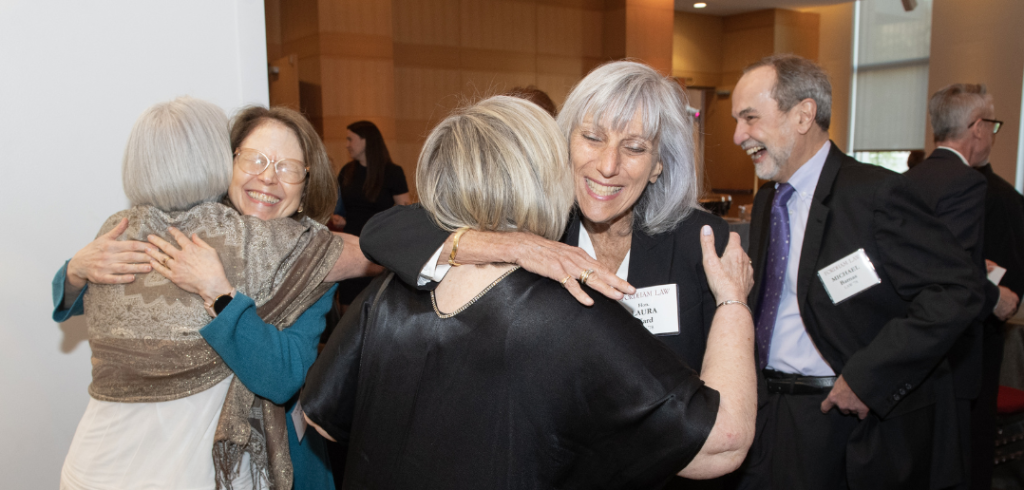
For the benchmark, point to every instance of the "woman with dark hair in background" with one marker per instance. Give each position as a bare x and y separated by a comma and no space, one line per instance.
371,182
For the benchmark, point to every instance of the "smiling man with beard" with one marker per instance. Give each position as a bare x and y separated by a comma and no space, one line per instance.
860,293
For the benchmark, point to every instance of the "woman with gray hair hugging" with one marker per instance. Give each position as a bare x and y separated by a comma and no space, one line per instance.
499,378
636,183
165,410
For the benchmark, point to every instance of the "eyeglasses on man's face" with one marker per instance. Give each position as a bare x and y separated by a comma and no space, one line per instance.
996,124
254,162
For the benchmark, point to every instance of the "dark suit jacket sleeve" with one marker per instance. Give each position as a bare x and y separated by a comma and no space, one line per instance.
1004,230
402,239
963,211
925,266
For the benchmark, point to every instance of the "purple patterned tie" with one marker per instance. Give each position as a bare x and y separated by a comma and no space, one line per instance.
774,273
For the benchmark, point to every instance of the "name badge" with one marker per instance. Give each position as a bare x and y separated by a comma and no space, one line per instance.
848,276
299,420
657,307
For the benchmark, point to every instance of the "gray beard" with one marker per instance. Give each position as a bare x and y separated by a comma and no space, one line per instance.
769,167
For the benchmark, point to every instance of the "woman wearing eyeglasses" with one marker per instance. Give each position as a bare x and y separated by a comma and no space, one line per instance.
280,170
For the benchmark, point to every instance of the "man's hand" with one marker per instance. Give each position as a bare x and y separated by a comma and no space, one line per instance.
1007,304
844,399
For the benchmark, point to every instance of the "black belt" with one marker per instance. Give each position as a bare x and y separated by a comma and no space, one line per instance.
795,384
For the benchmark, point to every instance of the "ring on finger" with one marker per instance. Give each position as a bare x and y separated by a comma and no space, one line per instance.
563,281
163,261
585,275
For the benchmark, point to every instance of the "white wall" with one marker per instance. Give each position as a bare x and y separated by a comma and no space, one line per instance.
75,76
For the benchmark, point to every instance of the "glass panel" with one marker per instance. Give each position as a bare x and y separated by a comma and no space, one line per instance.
892,160
891,76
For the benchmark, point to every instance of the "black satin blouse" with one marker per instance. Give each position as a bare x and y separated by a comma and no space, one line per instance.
525,388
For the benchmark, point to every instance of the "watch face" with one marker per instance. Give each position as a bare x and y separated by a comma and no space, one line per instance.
221,303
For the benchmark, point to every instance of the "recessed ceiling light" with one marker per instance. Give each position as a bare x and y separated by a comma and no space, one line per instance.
699,5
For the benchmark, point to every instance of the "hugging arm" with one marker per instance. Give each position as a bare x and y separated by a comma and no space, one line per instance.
405,240
272,363
728,362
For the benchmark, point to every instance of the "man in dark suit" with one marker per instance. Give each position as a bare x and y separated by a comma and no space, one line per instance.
860,294
963,124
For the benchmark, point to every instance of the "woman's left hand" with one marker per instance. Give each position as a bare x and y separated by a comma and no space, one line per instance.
195,267
730,277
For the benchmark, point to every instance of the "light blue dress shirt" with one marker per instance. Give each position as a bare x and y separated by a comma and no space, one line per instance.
792,350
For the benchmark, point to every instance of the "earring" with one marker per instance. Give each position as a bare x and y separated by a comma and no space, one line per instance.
300,207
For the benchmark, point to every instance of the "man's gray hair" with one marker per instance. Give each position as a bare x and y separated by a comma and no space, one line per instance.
609,97
178,155
953,108
798,79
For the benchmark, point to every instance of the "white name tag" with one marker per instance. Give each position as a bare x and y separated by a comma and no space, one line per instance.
996,275
848,276
299,420
657,307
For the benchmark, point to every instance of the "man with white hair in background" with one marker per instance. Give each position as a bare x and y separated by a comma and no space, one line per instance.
860,294
963,122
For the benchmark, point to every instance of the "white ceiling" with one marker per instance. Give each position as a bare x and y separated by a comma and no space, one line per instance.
730,7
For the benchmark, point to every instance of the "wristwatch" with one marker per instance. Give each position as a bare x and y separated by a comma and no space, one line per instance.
221,303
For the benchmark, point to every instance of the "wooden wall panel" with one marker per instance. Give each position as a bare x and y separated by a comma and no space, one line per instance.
797,33
424,93
356,16
405,64
697,49
559,30
835,55
499,25
649,25
272,19
433,22
980,42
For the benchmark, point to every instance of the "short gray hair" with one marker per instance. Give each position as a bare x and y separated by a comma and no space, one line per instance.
498,165
609,97
178,155
797,79
953,108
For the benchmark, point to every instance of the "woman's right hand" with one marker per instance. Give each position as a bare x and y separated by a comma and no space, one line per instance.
107,260
195,267
730,277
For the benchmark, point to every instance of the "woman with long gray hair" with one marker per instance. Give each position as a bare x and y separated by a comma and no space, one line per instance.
498,378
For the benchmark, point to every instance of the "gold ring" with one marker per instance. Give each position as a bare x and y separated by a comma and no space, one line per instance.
585,275
563,281
163,261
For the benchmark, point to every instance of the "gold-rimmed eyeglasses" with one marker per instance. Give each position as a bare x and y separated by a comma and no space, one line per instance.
254,162
996,124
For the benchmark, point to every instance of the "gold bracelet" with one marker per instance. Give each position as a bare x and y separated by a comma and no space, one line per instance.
455,246
735,302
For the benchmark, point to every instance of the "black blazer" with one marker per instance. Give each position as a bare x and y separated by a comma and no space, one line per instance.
890,341
956,194
1004,229
403,238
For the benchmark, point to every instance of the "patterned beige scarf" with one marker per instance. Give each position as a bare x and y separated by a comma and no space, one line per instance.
145,335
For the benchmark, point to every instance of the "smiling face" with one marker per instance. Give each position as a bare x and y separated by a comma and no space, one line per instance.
611,169
356,146
767,134
265,196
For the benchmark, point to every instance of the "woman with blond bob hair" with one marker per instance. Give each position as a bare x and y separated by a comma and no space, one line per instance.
499,378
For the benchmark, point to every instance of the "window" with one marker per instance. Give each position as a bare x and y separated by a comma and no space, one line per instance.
890,77
892,160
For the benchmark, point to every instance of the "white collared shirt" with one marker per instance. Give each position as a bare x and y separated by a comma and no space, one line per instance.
792,350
